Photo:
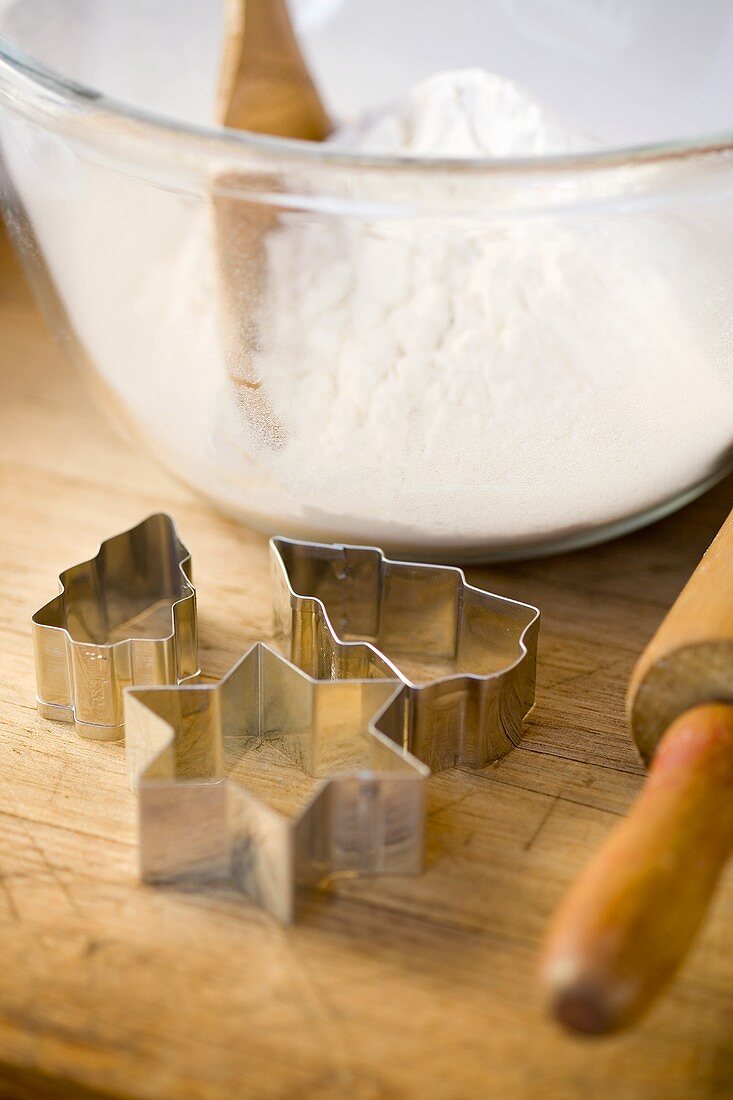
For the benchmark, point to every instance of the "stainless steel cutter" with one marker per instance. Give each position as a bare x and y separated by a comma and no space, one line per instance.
467,658
343,799
286,772
126,616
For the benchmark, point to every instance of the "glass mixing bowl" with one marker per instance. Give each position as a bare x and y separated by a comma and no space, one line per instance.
456,359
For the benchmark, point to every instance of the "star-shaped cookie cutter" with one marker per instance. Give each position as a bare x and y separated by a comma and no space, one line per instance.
126,616
209,806
466,657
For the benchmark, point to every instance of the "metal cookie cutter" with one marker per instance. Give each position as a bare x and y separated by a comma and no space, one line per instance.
126,616
212,807
467,658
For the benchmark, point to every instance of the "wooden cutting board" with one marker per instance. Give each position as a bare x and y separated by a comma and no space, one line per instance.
387,989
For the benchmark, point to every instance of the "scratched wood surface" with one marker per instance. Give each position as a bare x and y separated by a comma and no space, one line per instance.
388,988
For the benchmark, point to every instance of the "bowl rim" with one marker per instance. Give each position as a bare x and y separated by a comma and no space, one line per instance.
76,97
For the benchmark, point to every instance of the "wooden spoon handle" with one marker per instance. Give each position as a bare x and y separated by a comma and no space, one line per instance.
264,82
628,922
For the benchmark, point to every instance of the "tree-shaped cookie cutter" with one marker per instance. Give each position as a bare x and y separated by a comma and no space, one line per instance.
466,658
127,616
208,802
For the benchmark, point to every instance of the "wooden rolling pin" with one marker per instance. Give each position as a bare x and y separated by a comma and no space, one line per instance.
626,925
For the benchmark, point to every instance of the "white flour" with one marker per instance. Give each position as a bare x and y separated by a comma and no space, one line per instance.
464,384
465,113
449,384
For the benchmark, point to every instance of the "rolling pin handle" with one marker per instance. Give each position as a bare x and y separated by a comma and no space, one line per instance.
628,922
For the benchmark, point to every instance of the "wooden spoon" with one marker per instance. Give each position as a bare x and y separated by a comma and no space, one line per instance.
264,83
264,86
626,925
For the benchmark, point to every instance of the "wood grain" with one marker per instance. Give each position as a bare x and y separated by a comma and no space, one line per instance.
388,988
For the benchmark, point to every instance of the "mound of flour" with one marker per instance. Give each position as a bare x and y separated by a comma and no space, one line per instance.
464,113
481,380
